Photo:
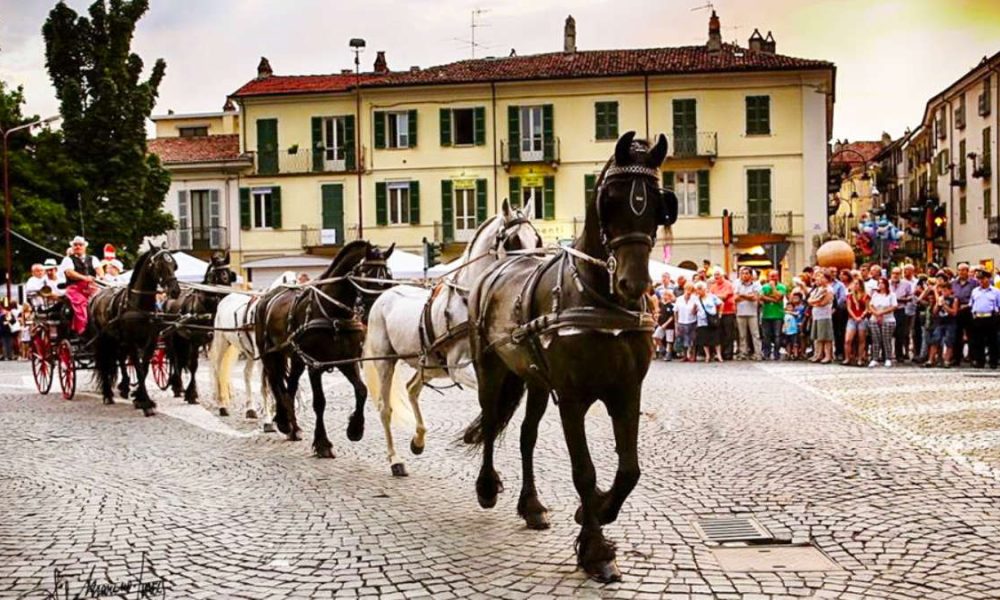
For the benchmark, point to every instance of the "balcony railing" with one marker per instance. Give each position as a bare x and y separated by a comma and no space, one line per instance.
701,144
316,237
993,229
777,223
297,162
550,154
199,238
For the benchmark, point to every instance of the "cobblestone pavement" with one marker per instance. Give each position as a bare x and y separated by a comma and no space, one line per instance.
852,461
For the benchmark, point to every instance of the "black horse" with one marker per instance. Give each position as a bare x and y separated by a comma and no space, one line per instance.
123,326
196,309
311,326
574,327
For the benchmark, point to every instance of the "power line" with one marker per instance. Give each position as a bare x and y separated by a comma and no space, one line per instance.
36,245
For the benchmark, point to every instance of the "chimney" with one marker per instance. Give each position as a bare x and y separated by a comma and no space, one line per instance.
769,44
714,34
756,42
264,68
381,67
414,69
569,35
886,139
346,71
229,106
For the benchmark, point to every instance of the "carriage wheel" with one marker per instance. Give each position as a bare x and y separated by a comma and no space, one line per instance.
67,369
159,365
42,364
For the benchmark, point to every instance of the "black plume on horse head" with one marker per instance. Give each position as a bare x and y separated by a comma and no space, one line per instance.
638,154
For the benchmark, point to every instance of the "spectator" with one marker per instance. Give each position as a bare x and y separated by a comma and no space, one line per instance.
791,329
942,327
919,324
685,315
883,324
841,285
708,310
857,325
985,305
8,317
26,320
747,295
664,333
679,288
903,290
909,339
962,287
772,316
722,289
821,300
874,274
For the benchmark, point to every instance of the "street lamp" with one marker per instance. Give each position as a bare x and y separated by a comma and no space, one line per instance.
6,192
357,45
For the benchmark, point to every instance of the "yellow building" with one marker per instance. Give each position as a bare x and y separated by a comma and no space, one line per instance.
436,150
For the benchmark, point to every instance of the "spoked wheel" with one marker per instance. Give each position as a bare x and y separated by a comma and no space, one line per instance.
42,364
67,369
160,367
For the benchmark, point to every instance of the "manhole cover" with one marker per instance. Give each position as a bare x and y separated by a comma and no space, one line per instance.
773,559
733,530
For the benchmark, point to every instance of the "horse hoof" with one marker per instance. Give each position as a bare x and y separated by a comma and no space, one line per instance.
223,412
324,452
123,391
295,435
537,521
399,470
109,401
355,429
149,411
283,426
251,414
486,501
269,428
604,571
415,449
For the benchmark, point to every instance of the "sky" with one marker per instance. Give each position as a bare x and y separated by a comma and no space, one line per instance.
891,55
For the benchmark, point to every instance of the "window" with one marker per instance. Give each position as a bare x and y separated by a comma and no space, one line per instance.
960,112
606,118
963,209
397,130
465,212
263,208
333,143
686,189
758,115
758,200
463,123
531,133
987,205
987,158
198,131
986,98
685,127
399,203
533,193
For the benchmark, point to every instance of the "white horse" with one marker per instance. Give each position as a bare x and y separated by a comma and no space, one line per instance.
429,329
234,337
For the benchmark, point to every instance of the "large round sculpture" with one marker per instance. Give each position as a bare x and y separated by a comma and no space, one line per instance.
835,253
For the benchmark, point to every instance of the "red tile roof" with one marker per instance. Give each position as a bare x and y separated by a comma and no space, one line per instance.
553,65
301,84
603,63
848,153
211,148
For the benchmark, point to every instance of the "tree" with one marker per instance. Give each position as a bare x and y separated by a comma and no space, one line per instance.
104,103
43,184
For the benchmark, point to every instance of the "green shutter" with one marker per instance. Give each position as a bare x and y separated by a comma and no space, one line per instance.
514,134
379,118
447,211
515,191
480,202
332,196
668,180
758,115
961,162
589,182
987,204
549,197
411,128
245,208
381,209
704,205
987,151
601,121
317,145
267,146
350,151
548,137
276,207
963,210
414,203
612,120
479,123
445,126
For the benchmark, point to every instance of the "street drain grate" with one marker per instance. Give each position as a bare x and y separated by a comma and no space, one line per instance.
733,530
773,559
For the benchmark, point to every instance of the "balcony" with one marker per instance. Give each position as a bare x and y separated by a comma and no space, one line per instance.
550,154
318,237
766,223
993,229
296,162
703,144
199,238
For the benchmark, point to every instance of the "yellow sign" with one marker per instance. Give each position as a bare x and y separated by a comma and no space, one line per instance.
552,231
464,184
532,180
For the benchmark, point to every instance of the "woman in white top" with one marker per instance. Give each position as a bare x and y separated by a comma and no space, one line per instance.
883,324
686,319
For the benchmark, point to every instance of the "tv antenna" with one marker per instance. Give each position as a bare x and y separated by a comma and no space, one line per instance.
707,5
475,23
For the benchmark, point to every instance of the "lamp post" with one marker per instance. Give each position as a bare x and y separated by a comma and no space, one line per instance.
357,45
8,257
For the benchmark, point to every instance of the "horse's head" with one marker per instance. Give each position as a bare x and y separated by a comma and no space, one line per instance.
629,207
514,230
375,276
163,267
219,272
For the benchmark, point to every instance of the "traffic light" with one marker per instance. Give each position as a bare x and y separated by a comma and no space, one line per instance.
916,221
939,222
432,254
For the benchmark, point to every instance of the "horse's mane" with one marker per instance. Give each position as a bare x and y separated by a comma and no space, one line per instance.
140,265
342,257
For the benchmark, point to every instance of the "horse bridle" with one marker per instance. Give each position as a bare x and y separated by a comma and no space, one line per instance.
166,282
638,203
505,232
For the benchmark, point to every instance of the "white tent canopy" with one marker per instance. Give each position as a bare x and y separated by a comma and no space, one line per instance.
657,269
189,268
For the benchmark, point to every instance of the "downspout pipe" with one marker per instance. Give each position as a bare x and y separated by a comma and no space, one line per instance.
645,95
493,111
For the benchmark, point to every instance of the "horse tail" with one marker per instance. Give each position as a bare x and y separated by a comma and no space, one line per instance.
377,343
507,401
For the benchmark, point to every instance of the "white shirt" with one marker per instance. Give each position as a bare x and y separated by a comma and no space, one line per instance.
883,301
747,308
684,309
871,285
67,263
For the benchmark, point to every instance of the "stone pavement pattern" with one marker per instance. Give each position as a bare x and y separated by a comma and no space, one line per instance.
223,512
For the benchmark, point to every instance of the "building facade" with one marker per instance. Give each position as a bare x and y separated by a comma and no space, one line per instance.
400,156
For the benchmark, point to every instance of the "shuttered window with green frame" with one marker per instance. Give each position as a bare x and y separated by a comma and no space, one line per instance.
513,135
481,207
589,183
758,111
549,197
704,202
447,210
758,200
606,120
514,185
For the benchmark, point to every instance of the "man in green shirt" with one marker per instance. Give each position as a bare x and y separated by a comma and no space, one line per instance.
772,296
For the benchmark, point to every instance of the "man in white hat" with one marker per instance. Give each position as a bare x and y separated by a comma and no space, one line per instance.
80,270
42,276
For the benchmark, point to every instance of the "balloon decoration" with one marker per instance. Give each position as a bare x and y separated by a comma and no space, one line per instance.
872,232
835,253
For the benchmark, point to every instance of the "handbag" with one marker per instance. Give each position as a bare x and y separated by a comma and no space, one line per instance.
713,320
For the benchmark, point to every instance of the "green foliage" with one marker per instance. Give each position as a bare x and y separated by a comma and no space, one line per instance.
104,102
